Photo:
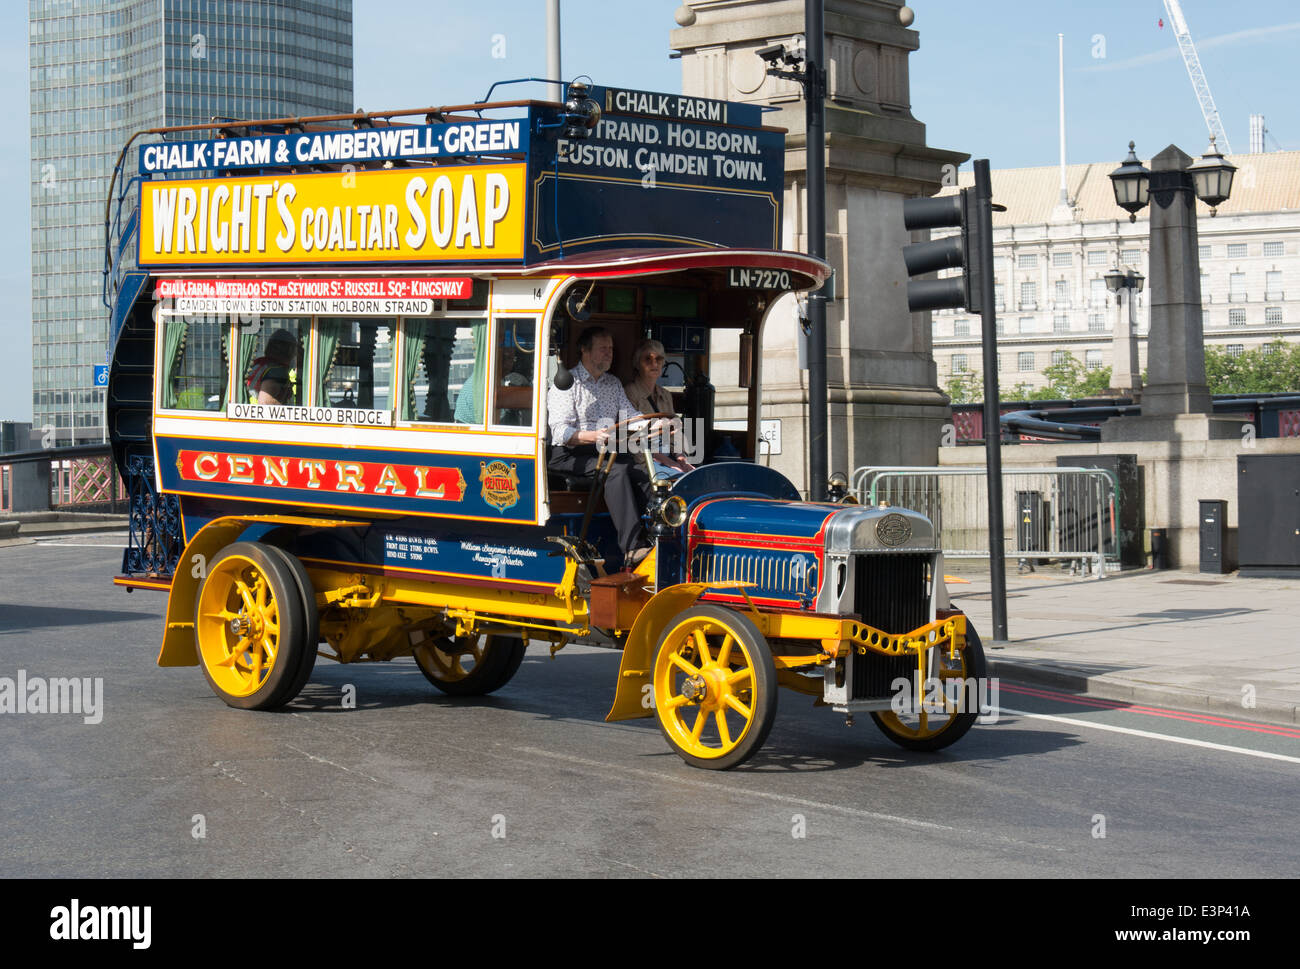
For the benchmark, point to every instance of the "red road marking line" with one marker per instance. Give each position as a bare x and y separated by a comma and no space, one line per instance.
1210,719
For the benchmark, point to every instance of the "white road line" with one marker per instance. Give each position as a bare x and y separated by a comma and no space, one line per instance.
79,545
1154,736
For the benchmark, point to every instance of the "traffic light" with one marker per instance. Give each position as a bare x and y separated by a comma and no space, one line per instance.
963,250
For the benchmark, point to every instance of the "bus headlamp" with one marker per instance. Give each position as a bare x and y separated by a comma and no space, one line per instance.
673,511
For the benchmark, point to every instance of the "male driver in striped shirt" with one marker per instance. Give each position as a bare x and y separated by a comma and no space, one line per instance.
579,420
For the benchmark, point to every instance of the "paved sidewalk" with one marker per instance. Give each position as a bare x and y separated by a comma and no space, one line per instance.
42,524
1177,638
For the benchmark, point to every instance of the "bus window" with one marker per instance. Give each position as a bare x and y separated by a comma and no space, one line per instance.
271,361
444,362
194,361
354,362
512,390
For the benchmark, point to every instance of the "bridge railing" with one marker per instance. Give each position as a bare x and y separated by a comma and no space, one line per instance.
81,478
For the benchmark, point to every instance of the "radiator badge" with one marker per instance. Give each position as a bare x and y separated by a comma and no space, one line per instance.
893,530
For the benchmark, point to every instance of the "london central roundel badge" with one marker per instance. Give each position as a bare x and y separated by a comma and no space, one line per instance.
893,530
500,484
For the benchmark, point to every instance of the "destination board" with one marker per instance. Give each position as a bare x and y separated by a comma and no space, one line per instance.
641,181
396,143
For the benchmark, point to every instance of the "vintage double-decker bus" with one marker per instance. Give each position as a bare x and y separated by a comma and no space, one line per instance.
332,345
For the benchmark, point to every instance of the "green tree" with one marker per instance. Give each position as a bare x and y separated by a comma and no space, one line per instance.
1070,379
1095,383
966,388
1271,369
1067,379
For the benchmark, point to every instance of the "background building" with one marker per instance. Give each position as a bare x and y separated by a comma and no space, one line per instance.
104,69
1049,266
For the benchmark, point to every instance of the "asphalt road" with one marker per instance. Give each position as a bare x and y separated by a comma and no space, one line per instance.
533,782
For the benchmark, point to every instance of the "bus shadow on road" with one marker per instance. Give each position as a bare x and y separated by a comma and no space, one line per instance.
804,744
579,687
567,689
24,618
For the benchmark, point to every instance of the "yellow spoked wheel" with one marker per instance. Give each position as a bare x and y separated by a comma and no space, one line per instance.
469,665
951,700
250,627
311,619
714,687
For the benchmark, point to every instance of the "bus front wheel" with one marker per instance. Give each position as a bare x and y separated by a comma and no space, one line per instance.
714,687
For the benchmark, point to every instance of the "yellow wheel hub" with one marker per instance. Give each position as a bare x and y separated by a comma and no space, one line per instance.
703,685
238,626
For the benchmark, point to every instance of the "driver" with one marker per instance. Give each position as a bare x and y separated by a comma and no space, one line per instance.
579,420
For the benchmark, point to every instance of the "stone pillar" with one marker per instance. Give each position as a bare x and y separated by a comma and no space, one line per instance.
884,400
1176,402
1125,374
1175,375
29,486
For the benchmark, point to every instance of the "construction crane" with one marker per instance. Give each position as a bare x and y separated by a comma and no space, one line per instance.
1199,84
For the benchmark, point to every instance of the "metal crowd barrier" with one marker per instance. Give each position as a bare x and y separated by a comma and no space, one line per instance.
1069,514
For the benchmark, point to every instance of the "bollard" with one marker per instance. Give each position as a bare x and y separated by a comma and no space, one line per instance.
1159,548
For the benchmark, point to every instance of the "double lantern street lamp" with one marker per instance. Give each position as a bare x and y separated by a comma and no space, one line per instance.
1176,375
1125,377
1211,176
1116,280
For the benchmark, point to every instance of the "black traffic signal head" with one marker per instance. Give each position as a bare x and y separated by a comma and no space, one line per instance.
962,250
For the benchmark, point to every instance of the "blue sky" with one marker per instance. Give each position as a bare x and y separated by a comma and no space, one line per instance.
983,82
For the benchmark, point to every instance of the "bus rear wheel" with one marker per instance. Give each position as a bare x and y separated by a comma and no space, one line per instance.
469,665
250,627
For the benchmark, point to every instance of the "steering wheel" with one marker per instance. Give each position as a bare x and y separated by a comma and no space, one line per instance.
613,429
632,420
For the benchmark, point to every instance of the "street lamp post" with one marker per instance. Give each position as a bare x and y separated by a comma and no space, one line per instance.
807,67
1125,377
1176,352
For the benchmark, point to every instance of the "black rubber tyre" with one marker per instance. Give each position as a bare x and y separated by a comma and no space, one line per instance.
256,666
715,660
970,666
492,662
311,621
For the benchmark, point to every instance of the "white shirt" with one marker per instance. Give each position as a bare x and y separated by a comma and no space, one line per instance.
587,405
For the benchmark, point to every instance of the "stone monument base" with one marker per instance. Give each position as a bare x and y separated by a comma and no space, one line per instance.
1181,427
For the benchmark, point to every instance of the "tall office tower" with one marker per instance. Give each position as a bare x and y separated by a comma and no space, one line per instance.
104,69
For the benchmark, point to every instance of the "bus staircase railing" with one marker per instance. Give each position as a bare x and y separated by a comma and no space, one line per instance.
121,225
155,539
1050,514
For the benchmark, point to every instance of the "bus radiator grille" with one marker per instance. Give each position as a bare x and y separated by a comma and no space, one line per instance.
891,593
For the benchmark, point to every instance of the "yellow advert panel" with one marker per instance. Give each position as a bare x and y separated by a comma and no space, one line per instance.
457,213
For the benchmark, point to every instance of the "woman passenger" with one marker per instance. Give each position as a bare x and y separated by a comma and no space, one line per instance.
649,397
